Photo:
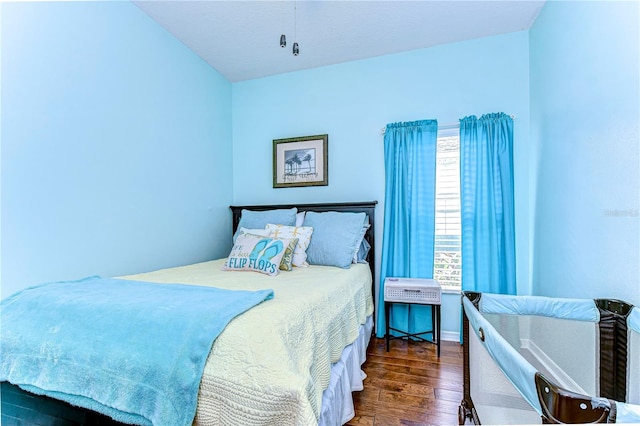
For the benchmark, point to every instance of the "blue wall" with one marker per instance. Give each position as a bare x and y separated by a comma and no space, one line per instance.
116,145
121,149
352,102
585,97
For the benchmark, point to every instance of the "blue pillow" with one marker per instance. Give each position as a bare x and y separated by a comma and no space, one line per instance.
335,239
254,219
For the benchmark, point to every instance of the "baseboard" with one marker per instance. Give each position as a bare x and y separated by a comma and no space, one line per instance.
450,336
557,374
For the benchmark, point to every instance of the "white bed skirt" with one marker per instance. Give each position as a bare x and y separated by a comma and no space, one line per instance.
346,377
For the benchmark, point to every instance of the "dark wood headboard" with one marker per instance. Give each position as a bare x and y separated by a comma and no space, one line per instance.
368,207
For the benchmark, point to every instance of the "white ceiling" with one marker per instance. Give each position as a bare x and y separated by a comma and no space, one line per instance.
240,39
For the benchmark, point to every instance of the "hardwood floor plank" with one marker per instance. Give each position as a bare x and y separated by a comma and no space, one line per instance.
362,421
425,414
453,365
382,420
404,388
416,380
437,372
411,401
416,403
448,395
409,385
369,393
395,421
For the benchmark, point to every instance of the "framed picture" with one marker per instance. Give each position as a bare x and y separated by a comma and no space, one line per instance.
300,161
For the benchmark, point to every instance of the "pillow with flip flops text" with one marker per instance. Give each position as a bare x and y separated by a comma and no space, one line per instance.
257,253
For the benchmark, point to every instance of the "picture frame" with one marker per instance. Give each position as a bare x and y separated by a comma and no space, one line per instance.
301,161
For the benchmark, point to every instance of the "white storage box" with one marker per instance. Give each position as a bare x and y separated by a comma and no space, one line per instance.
412,290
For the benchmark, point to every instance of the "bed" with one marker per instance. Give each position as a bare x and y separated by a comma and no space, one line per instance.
260,369
532,359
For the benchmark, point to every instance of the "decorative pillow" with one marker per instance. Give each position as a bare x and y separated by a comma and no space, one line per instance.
255,253
335,237
286,264
360,244
259,232
253,219
299,218
302,233
363,251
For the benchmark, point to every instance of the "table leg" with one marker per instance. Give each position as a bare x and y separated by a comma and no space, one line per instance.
438,318
386,317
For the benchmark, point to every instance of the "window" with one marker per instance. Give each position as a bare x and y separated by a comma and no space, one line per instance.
447,265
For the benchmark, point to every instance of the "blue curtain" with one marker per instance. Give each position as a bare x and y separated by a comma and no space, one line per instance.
486,201
409,216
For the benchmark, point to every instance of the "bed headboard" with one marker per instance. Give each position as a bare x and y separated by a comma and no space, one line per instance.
368,207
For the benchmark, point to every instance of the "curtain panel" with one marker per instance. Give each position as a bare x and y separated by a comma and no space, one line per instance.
487,204
409,217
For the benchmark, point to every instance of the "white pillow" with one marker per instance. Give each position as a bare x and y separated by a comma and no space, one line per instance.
259,232
302,233
359,244
299,218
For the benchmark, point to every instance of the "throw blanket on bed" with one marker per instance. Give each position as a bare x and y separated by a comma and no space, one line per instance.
132,350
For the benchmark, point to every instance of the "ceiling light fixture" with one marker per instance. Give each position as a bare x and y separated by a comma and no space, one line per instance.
296,48
283,38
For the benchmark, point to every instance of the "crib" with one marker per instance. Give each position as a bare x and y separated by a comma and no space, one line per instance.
530,359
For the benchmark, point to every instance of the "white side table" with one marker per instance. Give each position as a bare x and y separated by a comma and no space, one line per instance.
421,291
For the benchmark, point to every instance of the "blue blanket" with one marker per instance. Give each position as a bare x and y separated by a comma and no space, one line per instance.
132,350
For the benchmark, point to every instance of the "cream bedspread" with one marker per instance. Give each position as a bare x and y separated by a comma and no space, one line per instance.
271,364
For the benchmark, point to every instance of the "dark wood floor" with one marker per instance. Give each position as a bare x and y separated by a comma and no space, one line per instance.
409,385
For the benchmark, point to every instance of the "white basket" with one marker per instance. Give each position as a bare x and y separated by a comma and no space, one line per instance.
412,290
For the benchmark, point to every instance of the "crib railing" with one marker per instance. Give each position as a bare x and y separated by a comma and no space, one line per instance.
560,406
613,337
